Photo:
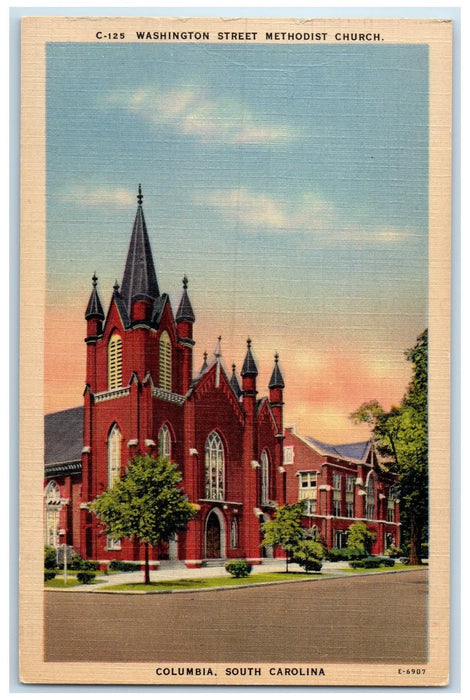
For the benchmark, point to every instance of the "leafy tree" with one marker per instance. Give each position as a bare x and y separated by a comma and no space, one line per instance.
145,504
309,555
49,557
401,438
360,537
285,530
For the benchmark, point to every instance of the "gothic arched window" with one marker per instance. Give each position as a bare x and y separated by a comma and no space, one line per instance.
165,361
114,455
164,443
370,498
214,464
115,362
264,477
53,504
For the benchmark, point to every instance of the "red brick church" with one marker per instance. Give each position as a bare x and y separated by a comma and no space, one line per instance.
142,396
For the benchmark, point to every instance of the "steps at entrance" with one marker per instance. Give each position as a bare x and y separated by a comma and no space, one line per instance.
213,562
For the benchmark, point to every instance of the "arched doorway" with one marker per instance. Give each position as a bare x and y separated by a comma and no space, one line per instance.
215,548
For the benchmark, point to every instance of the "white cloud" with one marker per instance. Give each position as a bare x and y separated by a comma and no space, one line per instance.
191,112
308,214
89,196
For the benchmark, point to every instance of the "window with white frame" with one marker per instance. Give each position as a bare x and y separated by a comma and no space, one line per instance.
164,442
310,506
308,480
114,455
234,533
336,494
214,467
264,475
288,454
165,361
349,496
115,362
370,498
390,510
53,504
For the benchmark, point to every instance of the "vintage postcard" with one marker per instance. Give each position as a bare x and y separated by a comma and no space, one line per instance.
235,312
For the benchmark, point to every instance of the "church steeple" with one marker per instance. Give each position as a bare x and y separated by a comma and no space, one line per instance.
185,310
139,282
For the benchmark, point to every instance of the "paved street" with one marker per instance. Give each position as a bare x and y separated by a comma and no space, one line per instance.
373,618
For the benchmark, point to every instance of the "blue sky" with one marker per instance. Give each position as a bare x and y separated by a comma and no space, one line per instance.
288,182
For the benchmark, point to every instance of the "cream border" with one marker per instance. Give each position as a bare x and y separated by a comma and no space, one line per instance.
35,32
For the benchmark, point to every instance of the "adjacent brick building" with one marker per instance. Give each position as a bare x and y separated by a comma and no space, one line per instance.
341,484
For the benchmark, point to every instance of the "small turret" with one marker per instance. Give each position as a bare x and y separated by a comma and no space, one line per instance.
249,373
184,328
234,383
94,314
276,385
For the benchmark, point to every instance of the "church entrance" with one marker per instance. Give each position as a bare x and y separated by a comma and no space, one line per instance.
213,537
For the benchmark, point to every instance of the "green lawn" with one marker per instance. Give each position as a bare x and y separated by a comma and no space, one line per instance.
188,583
58,582
381,569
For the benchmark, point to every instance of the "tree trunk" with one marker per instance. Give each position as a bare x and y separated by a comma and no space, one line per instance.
287,562
415,544
147,568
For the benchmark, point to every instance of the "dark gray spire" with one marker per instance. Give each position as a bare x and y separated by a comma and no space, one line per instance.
139,281
249,368
204,364
185,310
234,383
276,381
94,308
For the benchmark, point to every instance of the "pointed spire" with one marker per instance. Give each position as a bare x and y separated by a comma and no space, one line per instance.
234,383
218,355
185,310
249,366
276,381
204,364
139,281
94,308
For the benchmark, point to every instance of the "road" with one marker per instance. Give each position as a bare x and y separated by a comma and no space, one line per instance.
374,618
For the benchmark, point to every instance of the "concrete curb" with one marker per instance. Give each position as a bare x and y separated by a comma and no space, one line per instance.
322,577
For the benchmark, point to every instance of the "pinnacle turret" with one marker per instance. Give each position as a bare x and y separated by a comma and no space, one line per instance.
277,380
249,368
94,309
185,310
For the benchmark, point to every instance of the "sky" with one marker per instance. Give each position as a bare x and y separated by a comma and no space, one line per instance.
288,182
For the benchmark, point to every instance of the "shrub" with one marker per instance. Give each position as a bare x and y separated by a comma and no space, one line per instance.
49,557
85,576
345,554
116,565
360,537
49,574
309,555
79,564
392,551
238,568
372,563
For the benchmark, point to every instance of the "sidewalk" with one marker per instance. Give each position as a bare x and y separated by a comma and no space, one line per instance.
178,570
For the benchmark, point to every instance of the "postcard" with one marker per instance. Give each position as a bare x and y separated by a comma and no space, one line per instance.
235,333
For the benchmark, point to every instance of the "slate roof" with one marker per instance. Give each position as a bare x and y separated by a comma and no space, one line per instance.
63,436
277,380
185,310
139,280
355,450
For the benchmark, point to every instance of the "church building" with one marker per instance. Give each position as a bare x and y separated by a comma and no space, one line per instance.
142,396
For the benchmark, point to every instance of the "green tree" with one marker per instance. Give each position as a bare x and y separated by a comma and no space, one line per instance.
401,439
285,529
309,555
360,537
145,504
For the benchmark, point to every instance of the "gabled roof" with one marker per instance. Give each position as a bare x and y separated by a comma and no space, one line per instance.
356,451
139,281
63,436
